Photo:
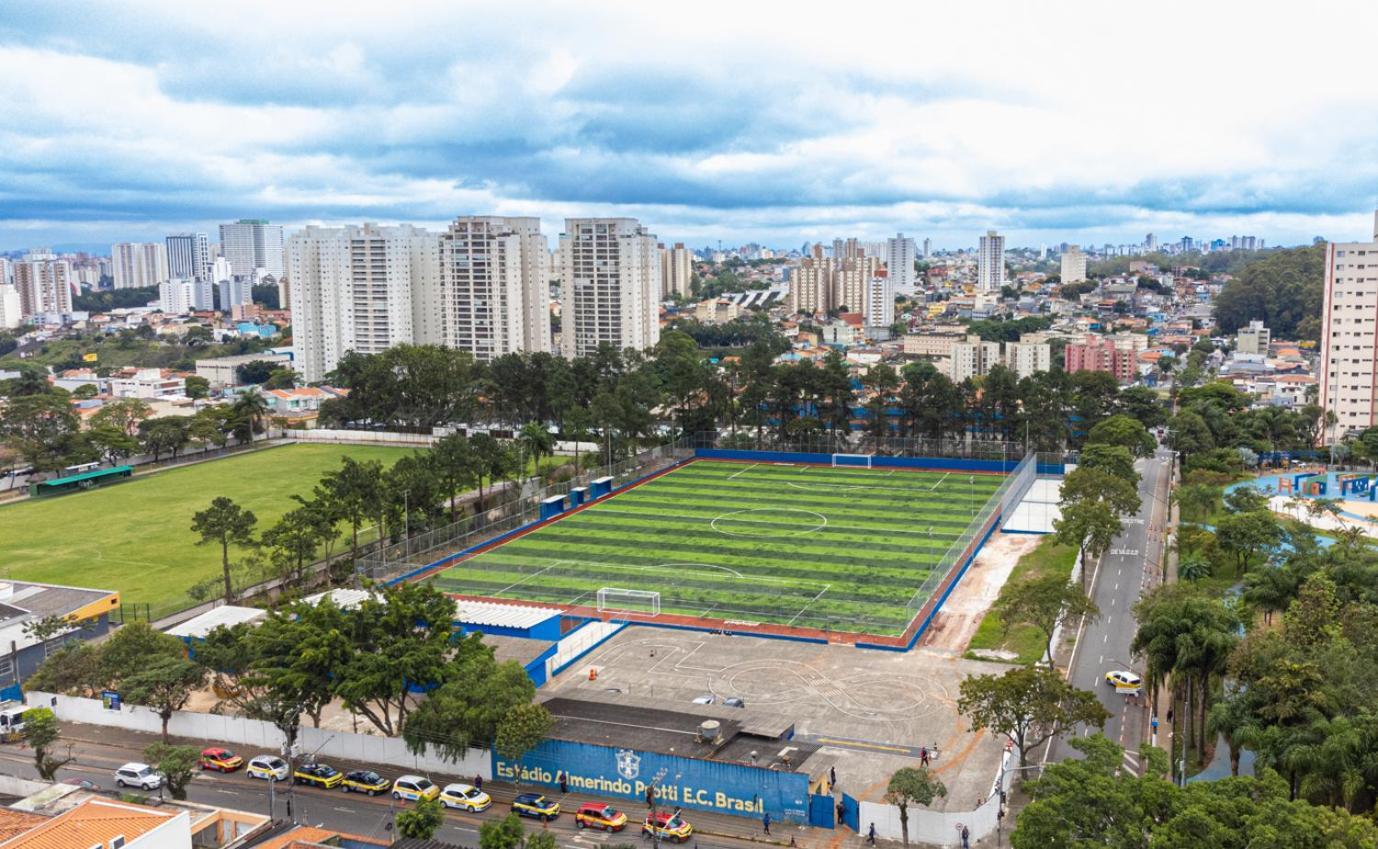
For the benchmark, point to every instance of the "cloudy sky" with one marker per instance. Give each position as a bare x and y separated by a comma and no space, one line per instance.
778,122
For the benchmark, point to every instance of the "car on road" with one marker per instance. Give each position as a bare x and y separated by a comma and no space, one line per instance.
667,825
1122,679
414,788
268,767
318,775
221,760
599,815
365,781
465,797
138,775
536,806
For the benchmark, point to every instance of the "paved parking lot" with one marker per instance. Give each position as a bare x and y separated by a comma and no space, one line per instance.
869,711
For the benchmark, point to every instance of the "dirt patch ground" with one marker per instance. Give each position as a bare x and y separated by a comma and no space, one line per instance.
961,614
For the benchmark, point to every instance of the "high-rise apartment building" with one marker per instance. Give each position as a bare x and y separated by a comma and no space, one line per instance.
990,262
235,292
11,310
879,309
356,288
138,264
1027,358
179,297
810,285
252,243
1097,353
927,248
221,270
1254,339
44,283
676,269
493,292
851,279
899,262
1349,349
1150,243
609,285
1073,265
6,275
972,358
189,256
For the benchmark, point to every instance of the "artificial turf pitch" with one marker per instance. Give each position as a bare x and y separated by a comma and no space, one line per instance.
810,546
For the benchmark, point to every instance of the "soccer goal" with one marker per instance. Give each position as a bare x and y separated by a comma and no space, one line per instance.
858,460
614,600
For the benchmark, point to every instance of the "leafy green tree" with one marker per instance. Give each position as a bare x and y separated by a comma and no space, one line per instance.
178,764
455,467
196,387
165,435
43,428
224,523
1028,705
911,786
1112,459
1090,526
1197,501
399,637
479,697
492,461
1189,434
1283,288
522,729
1044,603
163,684
536,443
294,541
506,833
1143,404
74,669
355,491
422,820
246,412
1126,432
1246,535
41,733
281,378
1087,484
112,444
131,649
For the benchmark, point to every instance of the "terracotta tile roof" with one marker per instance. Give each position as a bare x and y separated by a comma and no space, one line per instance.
304,836
93,822
17,822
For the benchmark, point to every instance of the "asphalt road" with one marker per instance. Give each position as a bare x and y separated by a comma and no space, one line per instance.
1131,567
98,755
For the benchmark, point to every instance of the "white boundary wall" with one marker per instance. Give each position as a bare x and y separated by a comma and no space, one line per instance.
356,437
341,746
937,828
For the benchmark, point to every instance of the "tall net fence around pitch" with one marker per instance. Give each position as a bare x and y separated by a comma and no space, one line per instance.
857,443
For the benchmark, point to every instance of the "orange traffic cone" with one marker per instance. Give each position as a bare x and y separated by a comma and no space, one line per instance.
593,674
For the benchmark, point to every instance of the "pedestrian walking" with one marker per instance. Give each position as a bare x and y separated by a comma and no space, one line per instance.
832,777
841,811
765,823
564,782
966,838
871,835
478,782
923,756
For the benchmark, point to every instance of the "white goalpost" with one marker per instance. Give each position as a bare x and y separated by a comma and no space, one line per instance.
861,461
615,600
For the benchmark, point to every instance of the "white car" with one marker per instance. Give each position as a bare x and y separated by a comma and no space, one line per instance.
268,767
1122,679
465,797
138,775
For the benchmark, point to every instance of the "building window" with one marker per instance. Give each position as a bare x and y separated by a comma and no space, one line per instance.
6,668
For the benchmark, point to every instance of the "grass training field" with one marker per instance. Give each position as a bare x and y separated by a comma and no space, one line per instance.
136,537
838,548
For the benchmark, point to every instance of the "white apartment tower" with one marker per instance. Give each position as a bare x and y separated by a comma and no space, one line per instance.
179,297
138,264
609,285
252,243
972,358
851,279
1073,265
493,292
356,288
880,301
990,262
1028,358
899,262
676,269
11,311
188,256
44,283
1349,321
810,286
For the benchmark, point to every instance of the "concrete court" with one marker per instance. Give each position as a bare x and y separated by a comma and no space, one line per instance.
870,711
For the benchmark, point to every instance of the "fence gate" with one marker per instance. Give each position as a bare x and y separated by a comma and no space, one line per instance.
822,814
851,813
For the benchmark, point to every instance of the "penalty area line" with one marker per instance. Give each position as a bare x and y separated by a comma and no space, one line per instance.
810,604
743,471
935,486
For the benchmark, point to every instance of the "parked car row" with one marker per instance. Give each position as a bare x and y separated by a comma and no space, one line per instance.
666,825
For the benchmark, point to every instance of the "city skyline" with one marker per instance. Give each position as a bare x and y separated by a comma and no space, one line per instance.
157,118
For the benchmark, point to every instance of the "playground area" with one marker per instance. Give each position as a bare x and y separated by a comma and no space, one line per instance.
1356,494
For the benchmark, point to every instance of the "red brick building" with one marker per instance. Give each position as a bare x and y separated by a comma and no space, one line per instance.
1098,354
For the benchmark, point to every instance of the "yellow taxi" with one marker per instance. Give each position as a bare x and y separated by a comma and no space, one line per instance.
667,826
365,781
465,797
318,775
414,788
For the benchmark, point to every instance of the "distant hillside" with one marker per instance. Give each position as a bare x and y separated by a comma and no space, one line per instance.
1283,288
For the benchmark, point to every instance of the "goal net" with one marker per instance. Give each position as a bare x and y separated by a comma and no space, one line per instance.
614,600
859,460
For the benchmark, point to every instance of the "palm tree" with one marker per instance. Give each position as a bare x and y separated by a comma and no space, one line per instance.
536,441
250,407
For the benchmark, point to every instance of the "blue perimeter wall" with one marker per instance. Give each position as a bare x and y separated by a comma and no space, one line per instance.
726,788
877,460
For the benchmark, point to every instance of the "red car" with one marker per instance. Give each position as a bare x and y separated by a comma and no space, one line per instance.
600,815
220,759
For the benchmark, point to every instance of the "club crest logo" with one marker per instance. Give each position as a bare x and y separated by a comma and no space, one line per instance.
628,763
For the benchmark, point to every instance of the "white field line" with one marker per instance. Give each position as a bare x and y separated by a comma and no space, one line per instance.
810,604
743,471
532,575
935,486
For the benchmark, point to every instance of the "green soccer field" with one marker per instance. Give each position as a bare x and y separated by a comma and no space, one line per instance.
838,548
136,537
